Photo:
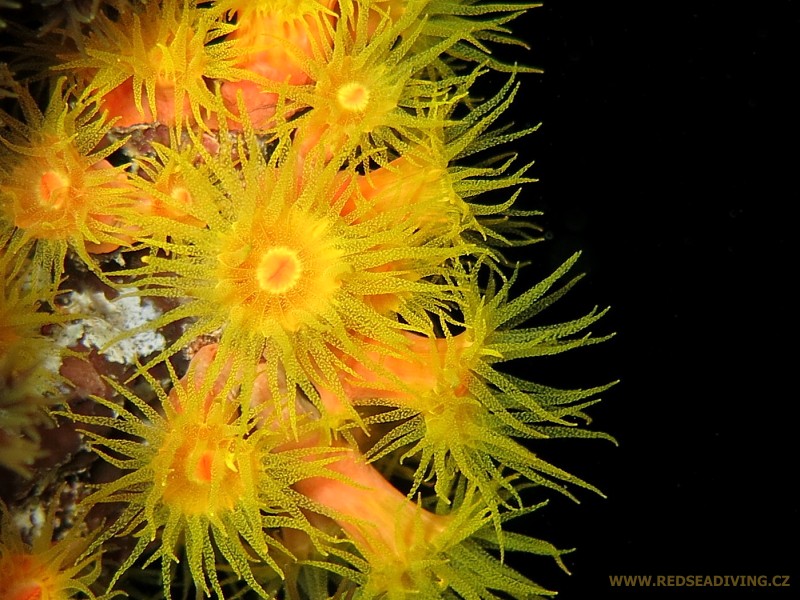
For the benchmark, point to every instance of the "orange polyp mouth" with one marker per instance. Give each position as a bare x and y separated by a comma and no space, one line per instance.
353,96
203,472
29,591
279,270
182,196
53,189
23,577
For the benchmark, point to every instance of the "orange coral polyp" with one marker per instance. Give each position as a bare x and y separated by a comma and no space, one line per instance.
56,186
431,364
45,569
118,104
376,515
59,207
273,39
27,581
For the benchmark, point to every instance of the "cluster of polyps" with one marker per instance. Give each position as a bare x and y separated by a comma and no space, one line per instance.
299,185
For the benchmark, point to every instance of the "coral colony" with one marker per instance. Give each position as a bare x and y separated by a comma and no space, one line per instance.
258,310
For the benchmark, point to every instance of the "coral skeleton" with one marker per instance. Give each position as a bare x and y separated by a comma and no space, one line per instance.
264,302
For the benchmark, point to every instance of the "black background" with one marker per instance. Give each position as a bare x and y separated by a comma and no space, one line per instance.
668,154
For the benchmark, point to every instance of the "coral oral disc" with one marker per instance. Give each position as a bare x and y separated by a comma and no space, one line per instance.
182,196
53,189
279,270
189,459
353,96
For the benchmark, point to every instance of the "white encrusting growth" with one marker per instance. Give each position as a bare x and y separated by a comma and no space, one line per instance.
104,320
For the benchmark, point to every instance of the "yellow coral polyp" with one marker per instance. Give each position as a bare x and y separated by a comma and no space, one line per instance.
57,188
181,195
197,475
292,263
40,209
204,456
153,61
420,182
28,578
164,189
369,89
203,478
60,205
27,386
360,100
